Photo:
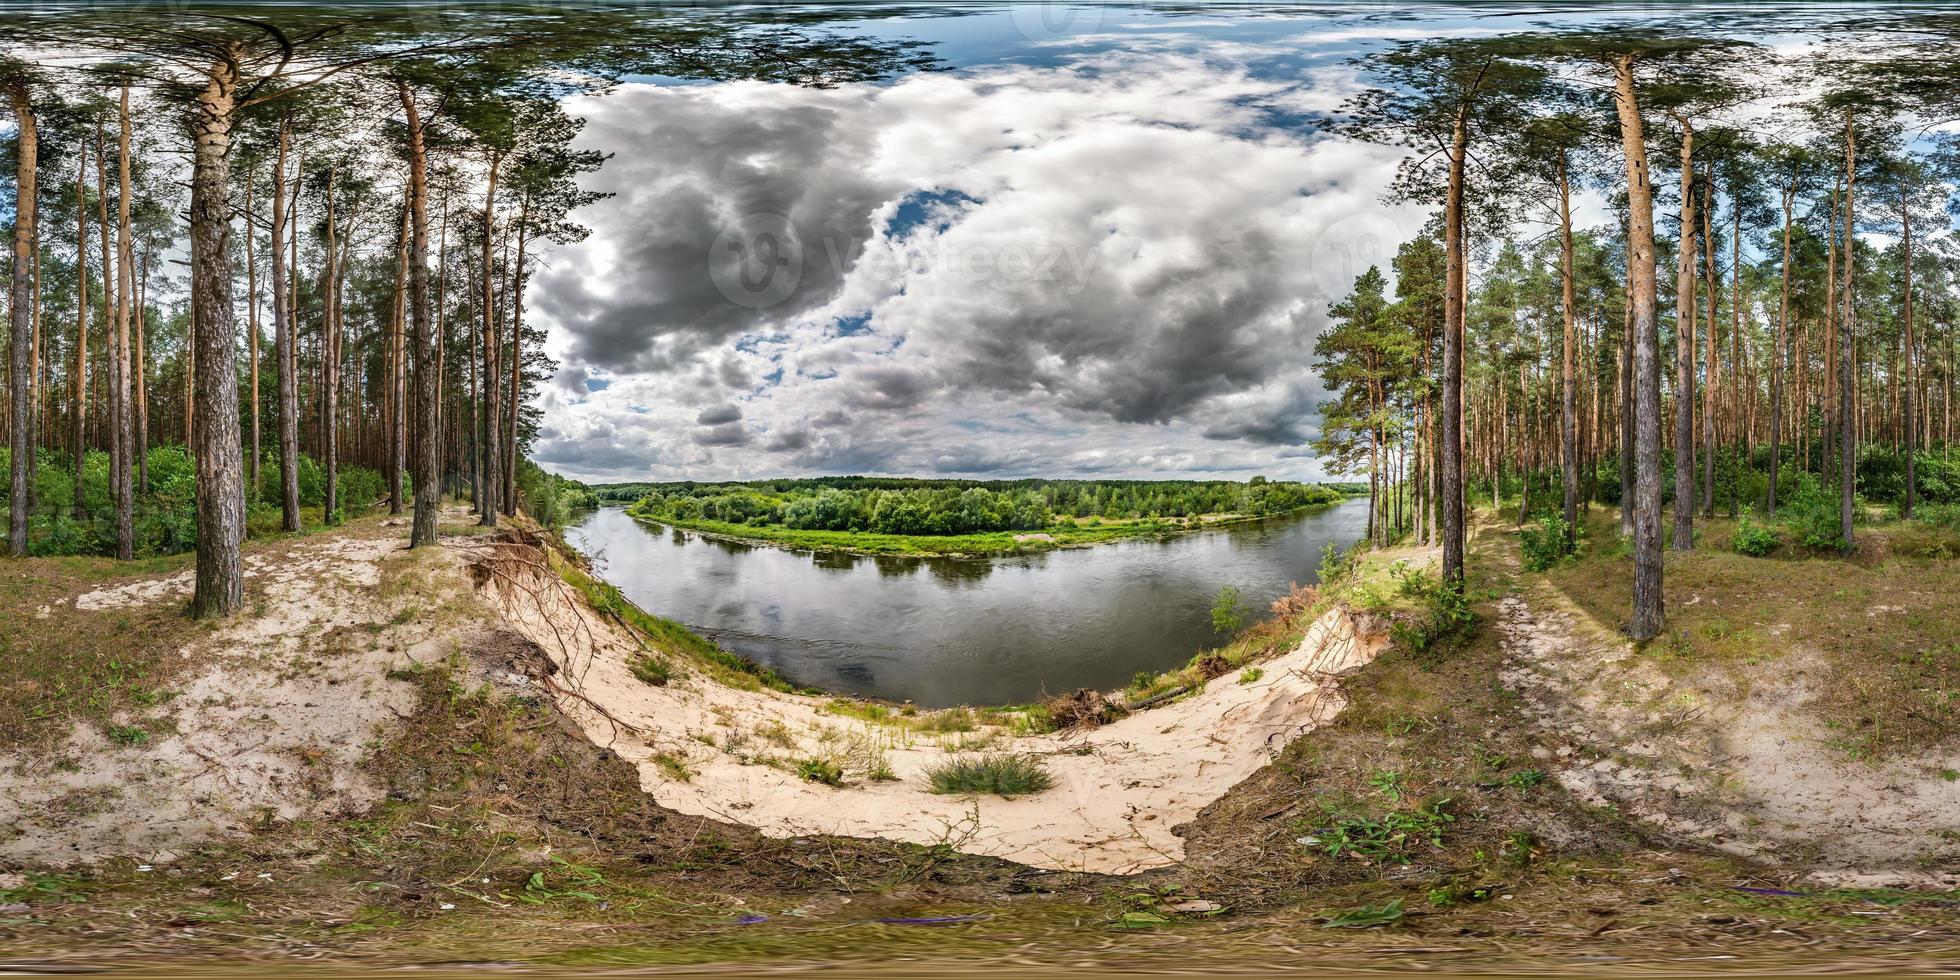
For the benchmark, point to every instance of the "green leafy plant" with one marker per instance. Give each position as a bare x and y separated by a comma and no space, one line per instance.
1366,916
1251,675
820,771
1549,544
654,670
1753,539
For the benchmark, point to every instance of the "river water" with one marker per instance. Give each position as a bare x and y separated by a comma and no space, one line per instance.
944,631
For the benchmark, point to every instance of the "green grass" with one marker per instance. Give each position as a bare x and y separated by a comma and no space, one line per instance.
1000,775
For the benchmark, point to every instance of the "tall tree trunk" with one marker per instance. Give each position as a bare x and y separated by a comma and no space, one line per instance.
285,342
1568,395
142,421
1649,606
125,302
20,311
220,587
1905,404
1847,378
1450,460
1684,364
1709,399
517,280
330,358
252,328
1740,428
397,412
1780,356
112,350
78,415
492,373
427,479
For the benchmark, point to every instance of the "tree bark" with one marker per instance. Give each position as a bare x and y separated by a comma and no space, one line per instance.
1709,400
1684,329
1450,458
1782,346
1905,396
1847,418
78,420
330,359
516,359
492,372
252,328
220,589
125,302
20,310
284,342
1649,607
427,480
1569,404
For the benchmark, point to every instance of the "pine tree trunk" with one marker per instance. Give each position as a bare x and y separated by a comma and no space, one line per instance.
125,302
1569,369
1847,378
1450,459
397,367
252,328
78,418
330,361
20,310
1905,405
1779,357
1684,328
1649,607
1709,398
220,589
285,342
492,374
427,480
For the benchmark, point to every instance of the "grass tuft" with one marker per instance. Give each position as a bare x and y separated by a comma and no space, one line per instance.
998,774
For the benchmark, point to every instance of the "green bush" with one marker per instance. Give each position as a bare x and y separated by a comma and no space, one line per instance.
1227,615
1442,614
1812,516
1754,539
1001,775
1548,544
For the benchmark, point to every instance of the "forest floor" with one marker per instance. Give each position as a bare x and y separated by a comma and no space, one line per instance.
381,766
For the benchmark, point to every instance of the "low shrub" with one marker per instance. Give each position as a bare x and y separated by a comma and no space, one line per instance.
1548,544
1442,615
820,771
998,774
1753,539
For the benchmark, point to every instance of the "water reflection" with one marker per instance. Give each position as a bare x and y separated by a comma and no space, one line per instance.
947,631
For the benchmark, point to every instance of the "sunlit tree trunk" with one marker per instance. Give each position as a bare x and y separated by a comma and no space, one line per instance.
1450,460
1779,357
1684,328
427,488
1649,608
20,313
492,373
220,589
285,342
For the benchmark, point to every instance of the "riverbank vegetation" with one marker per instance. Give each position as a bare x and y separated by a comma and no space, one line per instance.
963,517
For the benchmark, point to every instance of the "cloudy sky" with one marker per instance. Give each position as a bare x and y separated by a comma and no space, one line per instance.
1100,243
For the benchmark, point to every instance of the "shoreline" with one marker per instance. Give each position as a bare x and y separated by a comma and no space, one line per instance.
1019,542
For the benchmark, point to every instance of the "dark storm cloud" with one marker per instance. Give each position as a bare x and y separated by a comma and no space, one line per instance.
692,177
726,434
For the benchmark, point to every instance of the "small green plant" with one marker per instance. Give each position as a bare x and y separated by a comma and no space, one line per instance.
999,774
1227,615
820,771
653,669
128,735
1549,544
1366,916
1387,782
1753,539
1251,675
1524,779
674,765
1442,614
1389,839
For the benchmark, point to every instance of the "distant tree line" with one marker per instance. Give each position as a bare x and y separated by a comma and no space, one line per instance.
884,505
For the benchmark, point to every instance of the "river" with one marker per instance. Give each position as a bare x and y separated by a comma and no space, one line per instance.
945,631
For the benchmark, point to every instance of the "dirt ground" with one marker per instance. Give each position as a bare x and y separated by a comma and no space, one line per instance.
405,776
